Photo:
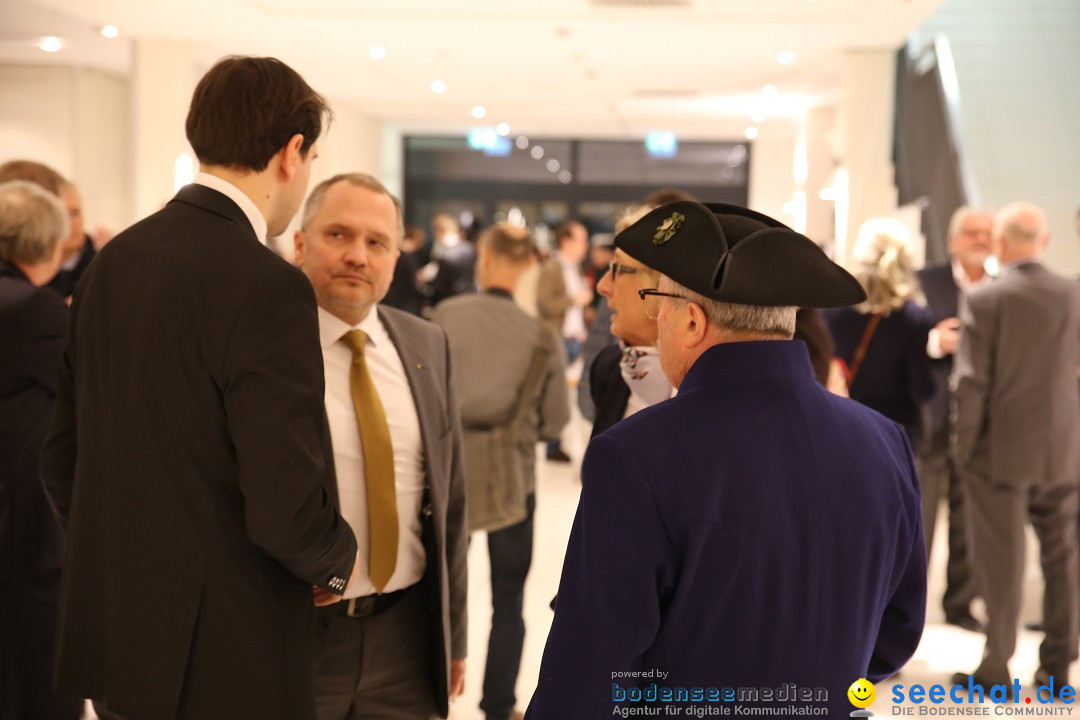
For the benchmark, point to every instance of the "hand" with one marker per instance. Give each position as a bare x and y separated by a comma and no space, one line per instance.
457,678
324,597
949,335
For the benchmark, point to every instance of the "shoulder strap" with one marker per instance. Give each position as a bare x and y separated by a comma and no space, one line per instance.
532,380
860,352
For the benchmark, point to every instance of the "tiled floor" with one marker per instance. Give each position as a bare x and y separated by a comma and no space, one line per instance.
944,649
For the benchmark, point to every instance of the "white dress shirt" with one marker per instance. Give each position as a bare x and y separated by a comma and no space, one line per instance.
226,188
965,285
574,321
388,375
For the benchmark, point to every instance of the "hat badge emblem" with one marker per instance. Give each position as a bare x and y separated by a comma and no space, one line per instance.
667,229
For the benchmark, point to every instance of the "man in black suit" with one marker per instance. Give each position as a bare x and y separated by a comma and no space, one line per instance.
188,455
969,246
33,321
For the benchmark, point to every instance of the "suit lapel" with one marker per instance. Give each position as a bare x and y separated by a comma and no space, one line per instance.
418,369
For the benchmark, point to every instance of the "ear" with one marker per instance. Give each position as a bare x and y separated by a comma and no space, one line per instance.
697,325
290,157
298,248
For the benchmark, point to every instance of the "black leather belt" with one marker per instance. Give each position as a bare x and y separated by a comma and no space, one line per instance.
370,605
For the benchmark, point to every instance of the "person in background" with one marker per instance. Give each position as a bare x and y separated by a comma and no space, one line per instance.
79,249
494,345
453,267
561,297
1016,420
33,324
882,340
969,248
396,647
405,293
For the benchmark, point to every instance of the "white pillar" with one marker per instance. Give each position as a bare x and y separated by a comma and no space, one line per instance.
164,80
866,125
820,164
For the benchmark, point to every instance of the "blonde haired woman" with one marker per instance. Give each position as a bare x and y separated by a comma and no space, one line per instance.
883,341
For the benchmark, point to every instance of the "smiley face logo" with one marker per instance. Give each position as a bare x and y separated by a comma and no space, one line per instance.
861,693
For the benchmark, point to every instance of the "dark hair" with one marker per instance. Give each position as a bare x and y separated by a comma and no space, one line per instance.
245,110
566,229
34,172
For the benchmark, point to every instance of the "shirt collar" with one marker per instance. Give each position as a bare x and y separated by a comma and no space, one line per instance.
332,328
963,282
226,188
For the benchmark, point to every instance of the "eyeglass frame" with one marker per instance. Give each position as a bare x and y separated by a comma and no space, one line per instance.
615,269
653,292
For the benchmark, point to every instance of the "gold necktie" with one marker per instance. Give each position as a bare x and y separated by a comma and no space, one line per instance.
378,466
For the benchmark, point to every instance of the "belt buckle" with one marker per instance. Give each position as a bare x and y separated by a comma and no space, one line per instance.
361,607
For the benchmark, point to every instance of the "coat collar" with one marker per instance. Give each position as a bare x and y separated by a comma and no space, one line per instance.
12,271
213,201
751,362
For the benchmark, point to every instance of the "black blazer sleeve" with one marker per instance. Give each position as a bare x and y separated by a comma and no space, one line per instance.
273,394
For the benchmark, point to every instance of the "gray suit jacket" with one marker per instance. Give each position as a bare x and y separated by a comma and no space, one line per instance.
492,341
1016,411
426,357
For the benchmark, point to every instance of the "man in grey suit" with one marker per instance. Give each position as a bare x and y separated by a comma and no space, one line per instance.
396,647
1017,417
493,344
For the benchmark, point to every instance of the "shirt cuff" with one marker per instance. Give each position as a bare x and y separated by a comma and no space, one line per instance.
933,344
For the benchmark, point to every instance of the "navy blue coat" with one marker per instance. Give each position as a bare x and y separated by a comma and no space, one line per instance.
752,532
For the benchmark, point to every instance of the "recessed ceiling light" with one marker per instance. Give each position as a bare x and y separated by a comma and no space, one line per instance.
751,133
438,87
377,52
51,44
553,165
109,31
768,90
785,57
565,177
522,142
503,129
479,111
537,152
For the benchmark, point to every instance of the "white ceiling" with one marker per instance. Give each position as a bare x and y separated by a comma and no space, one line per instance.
615,68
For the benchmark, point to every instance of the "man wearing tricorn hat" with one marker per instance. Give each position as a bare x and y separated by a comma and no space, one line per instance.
754,533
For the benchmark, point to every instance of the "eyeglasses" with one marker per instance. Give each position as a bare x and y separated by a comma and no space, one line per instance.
616,270
652,299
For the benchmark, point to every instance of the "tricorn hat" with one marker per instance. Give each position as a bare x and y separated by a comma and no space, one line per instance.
735,255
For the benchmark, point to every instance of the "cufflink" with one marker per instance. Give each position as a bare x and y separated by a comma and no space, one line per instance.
337,584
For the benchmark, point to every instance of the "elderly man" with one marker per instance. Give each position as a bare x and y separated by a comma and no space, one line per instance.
754,532
1016,419
186,457
969,247
33,323
396,647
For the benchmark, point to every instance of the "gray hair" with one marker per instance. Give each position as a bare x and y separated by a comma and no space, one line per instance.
772,321
1020,223
32,222
883,266
962,213
362,180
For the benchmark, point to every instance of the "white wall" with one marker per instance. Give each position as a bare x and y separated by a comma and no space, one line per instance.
78,122
772,169
1016,64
